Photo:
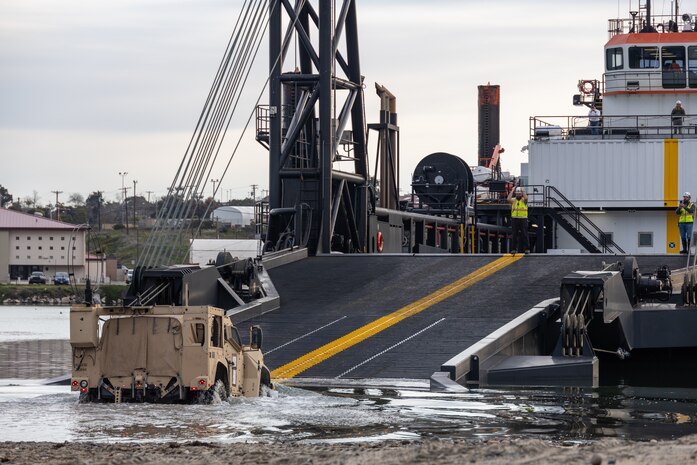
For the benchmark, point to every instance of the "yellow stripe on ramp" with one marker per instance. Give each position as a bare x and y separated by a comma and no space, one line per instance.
307,361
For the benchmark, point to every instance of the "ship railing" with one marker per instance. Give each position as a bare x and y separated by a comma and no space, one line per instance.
628,127
555,199
549,197
659,23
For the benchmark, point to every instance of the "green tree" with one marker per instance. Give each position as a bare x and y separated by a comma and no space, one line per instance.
94,204
76,199
5,197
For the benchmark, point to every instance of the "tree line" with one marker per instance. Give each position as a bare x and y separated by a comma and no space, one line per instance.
97,212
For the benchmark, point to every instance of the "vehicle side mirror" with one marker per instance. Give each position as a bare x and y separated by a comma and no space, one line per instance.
255,337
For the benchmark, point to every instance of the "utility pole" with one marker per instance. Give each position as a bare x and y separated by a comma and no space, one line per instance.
123,199
149,192
254,192
125,204
135,224
99,209
214,181
58,208
134,203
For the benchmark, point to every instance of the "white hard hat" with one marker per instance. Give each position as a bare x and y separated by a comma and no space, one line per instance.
678,102
519,190
686,194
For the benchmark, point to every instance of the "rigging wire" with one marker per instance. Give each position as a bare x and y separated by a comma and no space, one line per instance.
233,93
187,185
206,142
185,196
291,27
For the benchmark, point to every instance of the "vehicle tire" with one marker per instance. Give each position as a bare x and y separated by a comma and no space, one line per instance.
208,396
264,380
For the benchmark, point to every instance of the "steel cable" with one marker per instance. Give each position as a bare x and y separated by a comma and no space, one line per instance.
216,134
165,212
187,183
197,177
207,141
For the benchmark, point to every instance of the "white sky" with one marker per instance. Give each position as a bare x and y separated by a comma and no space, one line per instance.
89,89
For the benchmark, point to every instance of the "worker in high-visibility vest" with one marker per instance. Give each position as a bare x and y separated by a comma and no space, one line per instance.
686,218
519,220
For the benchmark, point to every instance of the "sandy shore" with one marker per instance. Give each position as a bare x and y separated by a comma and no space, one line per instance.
493,451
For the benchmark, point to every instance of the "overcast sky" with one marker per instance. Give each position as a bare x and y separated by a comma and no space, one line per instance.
89,89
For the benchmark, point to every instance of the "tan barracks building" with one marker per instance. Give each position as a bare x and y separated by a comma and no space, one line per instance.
33,243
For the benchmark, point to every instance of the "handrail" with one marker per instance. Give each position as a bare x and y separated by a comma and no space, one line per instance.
660,23
547,196
577,215
572,126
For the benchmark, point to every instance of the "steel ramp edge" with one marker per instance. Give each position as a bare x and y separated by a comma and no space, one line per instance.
270,302
464,367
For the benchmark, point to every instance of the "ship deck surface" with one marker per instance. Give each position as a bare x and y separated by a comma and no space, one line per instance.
326,298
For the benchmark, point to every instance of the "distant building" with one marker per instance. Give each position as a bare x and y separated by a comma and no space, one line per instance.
235,216
32,243
204,251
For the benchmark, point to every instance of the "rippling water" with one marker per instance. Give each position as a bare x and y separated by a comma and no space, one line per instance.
314,410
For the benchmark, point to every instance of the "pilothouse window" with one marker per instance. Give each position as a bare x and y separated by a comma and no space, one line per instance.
692,65
673,60
614,58
643,57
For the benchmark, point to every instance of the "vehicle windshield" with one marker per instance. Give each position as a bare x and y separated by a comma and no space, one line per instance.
37,273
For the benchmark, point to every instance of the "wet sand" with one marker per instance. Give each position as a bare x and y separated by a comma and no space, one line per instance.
499,451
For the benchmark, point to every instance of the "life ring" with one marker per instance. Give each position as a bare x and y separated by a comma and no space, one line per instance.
587,87
380,242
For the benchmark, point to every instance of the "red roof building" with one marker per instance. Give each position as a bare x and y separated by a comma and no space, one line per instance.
31,243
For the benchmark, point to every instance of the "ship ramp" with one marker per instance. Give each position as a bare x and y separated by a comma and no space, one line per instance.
399,316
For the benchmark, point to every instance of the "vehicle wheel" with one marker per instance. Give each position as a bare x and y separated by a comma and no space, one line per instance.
265,381
221,389
217,391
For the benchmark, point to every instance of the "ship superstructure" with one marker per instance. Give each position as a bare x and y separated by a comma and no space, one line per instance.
629,171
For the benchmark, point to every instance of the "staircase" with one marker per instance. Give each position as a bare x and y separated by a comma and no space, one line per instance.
577,224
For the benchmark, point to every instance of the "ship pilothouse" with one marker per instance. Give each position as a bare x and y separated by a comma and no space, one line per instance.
626,174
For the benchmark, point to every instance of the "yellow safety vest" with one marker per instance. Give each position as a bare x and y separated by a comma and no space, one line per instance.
685,215
519,209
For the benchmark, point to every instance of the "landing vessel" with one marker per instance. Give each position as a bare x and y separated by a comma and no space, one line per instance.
371,286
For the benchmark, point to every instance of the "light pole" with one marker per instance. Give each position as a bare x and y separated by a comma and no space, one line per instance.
214,181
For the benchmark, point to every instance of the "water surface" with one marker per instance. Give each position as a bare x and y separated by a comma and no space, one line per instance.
33,345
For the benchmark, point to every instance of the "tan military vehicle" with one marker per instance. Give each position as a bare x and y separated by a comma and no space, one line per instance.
171,341
162,354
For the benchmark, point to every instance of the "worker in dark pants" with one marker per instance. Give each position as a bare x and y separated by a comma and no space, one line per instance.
519,220
686,218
